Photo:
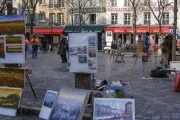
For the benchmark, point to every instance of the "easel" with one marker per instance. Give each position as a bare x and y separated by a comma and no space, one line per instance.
119,54
27,72
141,55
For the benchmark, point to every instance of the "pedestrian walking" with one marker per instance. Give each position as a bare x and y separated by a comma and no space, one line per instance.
26,46
63,47
35,43
44,45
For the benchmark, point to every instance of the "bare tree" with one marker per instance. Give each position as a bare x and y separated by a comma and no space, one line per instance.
30,7
134,5
161,5
2,7
80,7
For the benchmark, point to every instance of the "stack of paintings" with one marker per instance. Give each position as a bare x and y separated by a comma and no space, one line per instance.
69,105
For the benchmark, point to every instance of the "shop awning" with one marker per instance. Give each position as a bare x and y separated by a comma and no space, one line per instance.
58,31
139,29
87,28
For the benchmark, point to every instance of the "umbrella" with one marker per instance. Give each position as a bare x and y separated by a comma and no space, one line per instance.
38,35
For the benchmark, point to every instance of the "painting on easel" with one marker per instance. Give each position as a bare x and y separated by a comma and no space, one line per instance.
12,77
2,51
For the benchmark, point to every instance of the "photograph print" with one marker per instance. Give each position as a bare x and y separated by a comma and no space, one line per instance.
82,49
82,58
2,51
92,64
114,109
92,52
68,105
72,50
91,41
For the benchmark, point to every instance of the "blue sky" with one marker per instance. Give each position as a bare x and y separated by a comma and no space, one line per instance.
12,18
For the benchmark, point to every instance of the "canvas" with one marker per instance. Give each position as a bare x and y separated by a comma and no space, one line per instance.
9,100
12,24
14,40
113,109
49,100
2,51
69,105
12,77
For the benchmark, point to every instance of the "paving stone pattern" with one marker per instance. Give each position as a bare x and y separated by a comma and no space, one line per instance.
154,99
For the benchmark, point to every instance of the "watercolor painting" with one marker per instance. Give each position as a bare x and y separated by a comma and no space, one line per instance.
14,48
14,40
91,41
12,77
114,109
92,52
82,50
72,50
68,105
82,58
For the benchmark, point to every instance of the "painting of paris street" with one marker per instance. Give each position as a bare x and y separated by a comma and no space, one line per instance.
114,109
68,105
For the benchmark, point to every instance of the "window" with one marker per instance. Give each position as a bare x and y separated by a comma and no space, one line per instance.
165,2
52,18
76,19
113,3
146,2
147,18
126,3
114,18
60,19
41,2
92,19
93,3
52,3
127,18
165,18
60,3
41,17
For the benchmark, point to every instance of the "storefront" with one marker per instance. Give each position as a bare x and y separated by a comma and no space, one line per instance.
126,35
88,28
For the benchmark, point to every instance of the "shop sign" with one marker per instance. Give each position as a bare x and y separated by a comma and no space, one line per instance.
88,10
144,9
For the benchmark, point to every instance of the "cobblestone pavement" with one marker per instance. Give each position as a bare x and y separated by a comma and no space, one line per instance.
155,99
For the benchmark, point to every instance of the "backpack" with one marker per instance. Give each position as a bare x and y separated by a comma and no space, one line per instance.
158,73
177,83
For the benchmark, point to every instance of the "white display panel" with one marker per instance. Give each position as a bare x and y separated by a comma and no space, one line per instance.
15,56
83,52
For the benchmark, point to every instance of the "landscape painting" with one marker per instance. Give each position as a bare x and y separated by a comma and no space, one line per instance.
2,51
82,58
72,50
14,40
49,100
82,50
92,64
12,77
12,24
69,105
10,97
13,48
91,41
114,109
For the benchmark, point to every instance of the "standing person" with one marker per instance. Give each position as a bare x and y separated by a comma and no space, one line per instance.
44,45
35,43
146,42
26,46
63,47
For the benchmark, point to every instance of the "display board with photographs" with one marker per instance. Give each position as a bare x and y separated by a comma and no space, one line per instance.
12,49
12,77
9,100
49,100
83,52
114,109
69,105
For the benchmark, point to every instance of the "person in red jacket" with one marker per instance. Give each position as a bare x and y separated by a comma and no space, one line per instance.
35,43
26,46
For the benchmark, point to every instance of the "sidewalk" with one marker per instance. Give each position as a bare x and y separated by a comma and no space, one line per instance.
155,99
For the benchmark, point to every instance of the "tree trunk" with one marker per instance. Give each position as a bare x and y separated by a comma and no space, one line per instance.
9,8
174,31
160,29
134,31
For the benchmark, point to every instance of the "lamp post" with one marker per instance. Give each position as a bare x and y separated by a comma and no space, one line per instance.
51,24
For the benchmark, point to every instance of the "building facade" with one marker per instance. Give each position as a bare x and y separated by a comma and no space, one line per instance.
119,20
50,19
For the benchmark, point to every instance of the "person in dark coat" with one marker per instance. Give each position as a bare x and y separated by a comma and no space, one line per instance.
63,47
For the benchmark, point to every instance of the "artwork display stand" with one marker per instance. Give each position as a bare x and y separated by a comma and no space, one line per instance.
27,72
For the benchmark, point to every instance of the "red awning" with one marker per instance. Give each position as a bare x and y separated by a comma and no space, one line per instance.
58,31
139,29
